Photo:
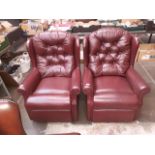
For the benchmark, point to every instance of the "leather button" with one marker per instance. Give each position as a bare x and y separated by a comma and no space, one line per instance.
115,45
114,55
103,49
108,58
102,56
107,45
114,48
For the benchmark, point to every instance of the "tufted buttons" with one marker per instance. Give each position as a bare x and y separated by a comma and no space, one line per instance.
102,56
114,49
109,51
108,58
54,53
55,65
107,45
103,49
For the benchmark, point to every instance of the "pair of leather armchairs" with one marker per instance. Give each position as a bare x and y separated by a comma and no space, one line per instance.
113,88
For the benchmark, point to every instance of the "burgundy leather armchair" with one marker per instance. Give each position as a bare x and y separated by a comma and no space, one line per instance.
113,88
51,89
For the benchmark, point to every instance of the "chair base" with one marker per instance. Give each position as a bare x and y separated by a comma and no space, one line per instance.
114,115
50,115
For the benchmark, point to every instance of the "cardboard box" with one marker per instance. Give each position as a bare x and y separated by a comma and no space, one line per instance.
32,28
146,52
6,24
5,27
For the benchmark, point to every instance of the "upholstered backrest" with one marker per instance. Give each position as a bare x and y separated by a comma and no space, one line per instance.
109,51
54,53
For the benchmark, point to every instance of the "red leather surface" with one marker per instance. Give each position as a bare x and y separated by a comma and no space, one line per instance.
48,102
139,86
53,86
30,83
75,82
10,120
114,115
115,101
54,53
86,50
88,82
75,91
114,90
77,52
109,51
50,116
51,90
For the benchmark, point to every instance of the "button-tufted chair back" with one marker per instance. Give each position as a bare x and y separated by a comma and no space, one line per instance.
53,53
110,51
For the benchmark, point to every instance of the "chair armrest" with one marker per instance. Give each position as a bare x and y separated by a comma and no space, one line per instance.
75,82
88,82
139,86
30,83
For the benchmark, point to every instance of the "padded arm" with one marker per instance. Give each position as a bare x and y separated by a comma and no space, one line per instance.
138,84
88,82
30,83
75,82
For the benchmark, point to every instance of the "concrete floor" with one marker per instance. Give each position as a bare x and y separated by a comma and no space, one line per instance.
145,124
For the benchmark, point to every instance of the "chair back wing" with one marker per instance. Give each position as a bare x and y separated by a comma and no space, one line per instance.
53,53
110,51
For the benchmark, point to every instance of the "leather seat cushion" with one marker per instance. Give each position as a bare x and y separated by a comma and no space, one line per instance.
53,86
48,102
114,92
51,93
112,84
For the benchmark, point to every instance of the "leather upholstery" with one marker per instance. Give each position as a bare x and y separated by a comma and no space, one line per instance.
114,89
109,52
51,86
54,53
30,83
51,89
139,86
88,82
115,95
10,120
119,85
